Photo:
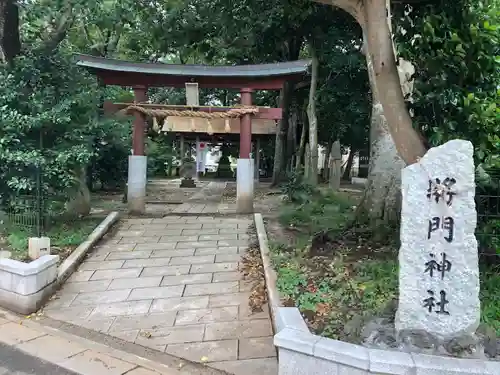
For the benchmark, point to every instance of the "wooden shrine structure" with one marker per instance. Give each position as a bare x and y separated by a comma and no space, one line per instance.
245,120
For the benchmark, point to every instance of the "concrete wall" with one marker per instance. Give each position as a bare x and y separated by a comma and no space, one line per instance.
302,353
25,286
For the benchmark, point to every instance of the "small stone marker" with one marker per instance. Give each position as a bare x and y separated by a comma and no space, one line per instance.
335,166
4,254
307,161
38,246
438,258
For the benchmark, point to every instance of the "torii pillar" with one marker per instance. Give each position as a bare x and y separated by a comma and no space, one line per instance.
245,167
137,162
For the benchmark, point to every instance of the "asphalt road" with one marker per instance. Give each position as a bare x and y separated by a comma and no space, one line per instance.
15,362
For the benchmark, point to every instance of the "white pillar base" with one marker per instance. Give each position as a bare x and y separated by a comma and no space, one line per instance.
136,189
244,186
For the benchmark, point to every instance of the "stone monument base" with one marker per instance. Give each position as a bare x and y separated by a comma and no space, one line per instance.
187,183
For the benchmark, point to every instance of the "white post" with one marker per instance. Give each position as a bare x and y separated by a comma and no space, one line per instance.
244,185
136,189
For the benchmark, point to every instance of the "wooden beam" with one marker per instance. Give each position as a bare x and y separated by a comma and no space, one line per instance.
199,125
128,79
264,113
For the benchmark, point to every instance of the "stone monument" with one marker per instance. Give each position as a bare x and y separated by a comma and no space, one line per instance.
335,166
187,171
438,258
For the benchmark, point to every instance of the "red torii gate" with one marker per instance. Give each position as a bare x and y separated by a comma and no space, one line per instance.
246,78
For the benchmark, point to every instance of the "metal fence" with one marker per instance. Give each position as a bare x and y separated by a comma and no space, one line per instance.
488,218
34,213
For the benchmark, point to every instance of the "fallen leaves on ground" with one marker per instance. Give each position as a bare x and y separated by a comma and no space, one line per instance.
253,272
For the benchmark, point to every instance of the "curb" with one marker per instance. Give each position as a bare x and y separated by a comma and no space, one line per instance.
269,273
71,263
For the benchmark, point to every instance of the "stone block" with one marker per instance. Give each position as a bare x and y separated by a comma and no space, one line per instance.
96,298
212,288
86,286
90,362
216,267
438,258
297,363
216,251
397,363
156,292
217,314
13,334
261,366
226,276
436,365
165,271
121,308
24,287
104,265
199,278
180,303
232,299
134,254
201,259
225,258
174,335
238,330
172,253
299,341
195,244
226,350
153,262
51,348
136,282
38,246
145,321
342,353
257,347
290,317
123,273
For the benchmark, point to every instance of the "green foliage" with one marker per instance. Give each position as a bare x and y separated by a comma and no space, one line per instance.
297,189
62,235
455,49
160,155
490,307
46,121
320,212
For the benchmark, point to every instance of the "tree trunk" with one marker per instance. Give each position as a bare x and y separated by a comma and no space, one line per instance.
373,17
385,73
313,121
291,142
10,42
281,133
381,203
348,167
302,145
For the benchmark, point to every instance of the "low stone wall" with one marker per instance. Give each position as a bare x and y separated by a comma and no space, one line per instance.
24,287
300,353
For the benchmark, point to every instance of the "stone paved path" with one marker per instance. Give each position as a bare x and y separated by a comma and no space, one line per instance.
172,284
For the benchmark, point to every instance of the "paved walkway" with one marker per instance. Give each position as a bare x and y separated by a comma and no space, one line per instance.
173,285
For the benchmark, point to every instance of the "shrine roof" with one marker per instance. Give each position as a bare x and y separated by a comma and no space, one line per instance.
161,74
190,70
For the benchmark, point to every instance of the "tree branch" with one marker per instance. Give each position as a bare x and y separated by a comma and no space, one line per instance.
353,7
58,35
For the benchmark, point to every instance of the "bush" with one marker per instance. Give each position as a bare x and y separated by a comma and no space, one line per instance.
297,189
